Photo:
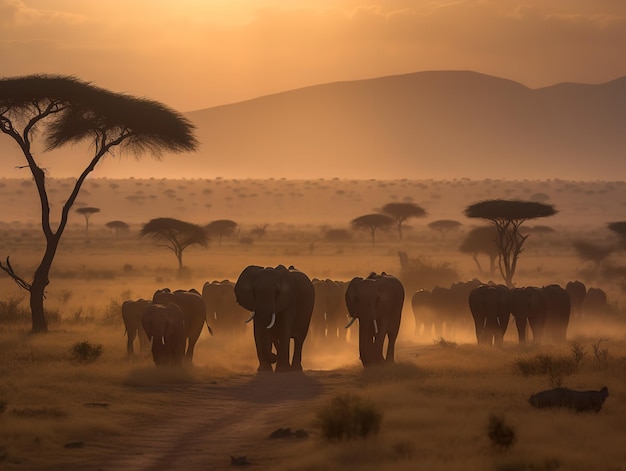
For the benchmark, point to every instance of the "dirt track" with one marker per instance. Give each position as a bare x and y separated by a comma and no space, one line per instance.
209,423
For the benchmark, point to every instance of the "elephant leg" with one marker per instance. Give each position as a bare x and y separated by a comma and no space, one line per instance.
263,344
131,339
391,348
296,363
520,322
144,342
282,354
379,340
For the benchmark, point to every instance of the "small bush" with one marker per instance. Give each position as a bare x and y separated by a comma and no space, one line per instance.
578,352
443,343
541,364
85,352
348,416
113,313
500,433
601,355
12,313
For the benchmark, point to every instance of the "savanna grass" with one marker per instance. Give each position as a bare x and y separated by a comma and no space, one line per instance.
349,416
85,352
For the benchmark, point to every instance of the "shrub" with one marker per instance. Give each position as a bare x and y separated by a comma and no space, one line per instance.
542,364
578,352
85,352
113,313
601,355
12,313
348,416
500,433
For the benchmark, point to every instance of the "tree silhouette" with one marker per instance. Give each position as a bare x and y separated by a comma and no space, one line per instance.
87,211
507,216
481,240
64,110
259,231
619,228
337,236
177,235
400,212
221,228
591,252
443,226
371,223
118,226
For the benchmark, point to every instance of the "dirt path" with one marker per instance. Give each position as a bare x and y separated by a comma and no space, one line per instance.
210,422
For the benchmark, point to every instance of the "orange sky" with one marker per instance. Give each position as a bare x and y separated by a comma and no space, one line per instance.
193,54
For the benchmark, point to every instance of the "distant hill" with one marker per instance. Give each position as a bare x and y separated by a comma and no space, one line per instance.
445,124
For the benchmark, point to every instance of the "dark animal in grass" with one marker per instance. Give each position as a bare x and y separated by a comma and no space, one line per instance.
580,401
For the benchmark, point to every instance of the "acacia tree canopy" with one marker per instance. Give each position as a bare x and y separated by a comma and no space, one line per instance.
400,212
372,222
62,110
177,235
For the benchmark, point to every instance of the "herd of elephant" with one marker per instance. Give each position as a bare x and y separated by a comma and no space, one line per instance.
284,304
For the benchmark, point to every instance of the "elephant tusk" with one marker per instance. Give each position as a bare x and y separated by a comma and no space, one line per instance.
351,322
273,321
375,327
162,340
251,317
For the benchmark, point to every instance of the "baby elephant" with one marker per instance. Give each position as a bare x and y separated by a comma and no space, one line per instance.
580,401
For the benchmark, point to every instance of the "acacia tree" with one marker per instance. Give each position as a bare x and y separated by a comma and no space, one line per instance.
62,110
118,226
400,212
482,240
371,223
221,228
87,211
177,235
507,216
443,226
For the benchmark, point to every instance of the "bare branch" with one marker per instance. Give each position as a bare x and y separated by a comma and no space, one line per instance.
18,280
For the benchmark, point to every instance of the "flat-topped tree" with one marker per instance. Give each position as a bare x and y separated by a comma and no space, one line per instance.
507,216
443,226
481,240
87,211
400,212
372,223
177,235
61,110
118,226
221,228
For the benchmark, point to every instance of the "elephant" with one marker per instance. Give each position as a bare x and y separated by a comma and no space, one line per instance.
222,309
194,311
595,302
425,313
490,307
580,401
529,308
281,303
329,312
577,292
132,313
165,327
558,308
377,302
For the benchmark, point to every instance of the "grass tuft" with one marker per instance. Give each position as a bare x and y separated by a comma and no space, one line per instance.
348,416
501,434
85,352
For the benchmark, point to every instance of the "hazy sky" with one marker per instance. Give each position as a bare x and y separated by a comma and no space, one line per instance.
192,54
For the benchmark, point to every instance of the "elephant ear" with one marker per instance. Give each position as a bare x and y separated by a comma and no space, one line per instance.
286,287
244,288
351,299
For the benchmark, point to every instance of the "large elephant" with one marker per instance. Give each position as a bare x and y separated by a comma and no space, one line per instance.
490,307
194,311
165,327
222,309
557,313
529,308
281,302
329,312
425,314
132,313
377,302
595,302
577,292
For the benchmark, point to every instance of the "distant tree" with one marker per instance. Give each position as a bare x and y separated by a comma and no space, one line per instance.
443,226
482,240
400,212
87,211
118,226
539,197
259,231
338,236
66,110
507,216
619,228
221,228
372,223
177,235
592,252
